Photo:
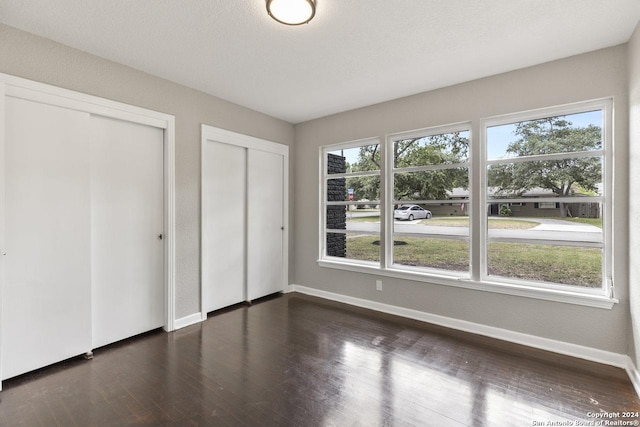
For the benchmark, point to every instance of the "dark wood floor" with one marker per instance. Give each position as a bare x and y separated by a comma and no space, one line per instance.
296,360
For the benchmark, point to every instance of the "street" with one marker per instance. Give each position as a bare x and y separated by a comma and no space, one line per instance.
548,229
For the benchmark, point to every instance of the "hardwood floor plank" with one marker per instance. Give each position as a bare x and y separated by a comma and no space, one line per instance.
296,360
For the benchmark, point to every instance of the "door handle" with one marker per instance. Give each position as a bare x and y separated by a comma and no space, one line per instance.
160,236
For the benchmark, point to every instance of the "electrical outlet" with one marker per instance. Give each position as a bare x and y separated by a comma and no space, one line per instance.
378,285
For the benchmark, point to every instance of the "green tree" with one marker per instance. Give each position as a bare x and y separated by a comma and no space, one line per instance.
424,185
366,187
442,149
564,177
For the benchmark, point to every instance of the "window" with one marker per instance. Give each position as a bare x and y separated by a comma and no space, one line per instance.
430,167
351,176
534,219
556,157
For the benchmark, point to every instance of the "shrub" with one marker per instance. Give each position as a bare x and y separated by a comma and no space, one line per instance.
505,210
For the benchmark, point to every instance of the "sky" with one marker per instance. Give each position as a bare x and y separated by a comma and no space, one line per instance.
499,137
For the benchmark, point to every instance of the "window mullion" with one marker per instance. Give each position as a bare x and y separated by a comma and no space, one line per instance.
323,203
478,220
567,155
386,206
607,214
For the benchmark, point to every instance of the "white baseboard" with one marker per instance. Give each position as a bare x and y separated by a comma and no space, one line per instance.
189,320
574,350
634,375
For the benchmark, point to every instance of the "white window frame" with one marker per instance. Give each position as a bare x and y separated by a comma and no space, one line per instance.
390,187
604,105
325,176
478,278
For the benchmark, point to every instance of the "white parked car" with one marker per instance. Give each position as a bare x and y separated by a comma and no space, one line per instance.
411,212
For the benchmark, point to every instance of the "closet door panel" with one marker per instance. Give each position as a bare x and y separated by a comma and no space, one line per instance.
265,223
224,183
46,299
127,219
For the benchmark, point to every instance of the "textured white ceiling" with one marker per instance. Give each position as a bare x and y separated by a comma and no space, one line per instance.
354,52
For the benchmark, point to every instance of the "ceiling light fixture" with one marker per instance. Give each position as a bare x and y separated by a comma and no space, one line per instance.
291,12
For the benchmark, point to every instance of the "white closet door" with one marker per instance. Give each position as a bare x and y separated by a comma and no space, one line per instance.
127,218
224,183
46,299
264,223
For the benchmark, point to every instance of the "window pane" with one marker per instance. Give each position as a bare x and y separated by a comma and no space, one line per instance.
336,245
452,220
417,225
566,265
362,239
548,178
362,246
441,254
363,188
336,217
432,150
337,190
358,159
356,189
560,134
535,216
522,223
442,184
361,220
544,221
355,246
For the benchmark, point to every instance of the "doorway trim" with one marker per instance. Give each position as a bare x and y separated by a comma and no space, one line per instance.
17,87
214,134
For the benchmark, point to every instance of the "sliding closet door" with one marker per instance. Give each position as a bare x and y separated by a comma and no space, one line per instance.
127,221
46,301
224,183
243,216
265,226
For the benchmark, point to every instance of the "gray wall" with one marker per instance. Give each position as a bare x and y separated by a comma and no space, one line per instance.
634,184
597,74
594,75
25,55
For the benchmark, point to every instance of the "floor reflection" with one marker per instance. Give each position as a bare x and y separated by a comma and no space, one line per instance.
302,361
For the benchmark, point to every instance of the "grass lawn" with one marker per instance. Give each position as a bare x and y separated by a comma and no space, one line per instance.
362,247
365,219
363,210
556,264
434,253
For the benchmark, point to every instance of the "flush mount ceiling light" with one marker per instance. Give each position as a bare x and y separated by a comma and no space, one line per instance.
291,12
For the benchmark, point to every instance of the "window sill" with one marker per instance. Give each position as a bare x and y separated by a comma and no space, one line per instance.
577,298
